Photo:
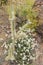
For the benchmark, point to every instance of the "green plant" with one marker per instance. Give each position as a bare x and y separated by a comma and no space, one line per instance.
25,49
25,45
26,12
3,2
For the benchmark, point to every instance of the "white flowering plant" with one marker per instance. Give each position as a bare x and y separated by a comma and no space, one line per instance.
25,47
25,50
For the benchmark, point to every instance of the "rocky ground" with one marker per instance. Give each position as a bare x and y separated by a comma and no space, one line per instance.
5,33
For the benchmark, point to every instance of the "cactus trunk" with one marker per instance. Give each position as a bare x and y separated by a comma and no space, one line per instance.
12,25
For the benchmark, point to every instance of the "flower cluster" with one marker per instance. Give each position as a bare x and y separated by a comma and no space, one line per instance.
25,49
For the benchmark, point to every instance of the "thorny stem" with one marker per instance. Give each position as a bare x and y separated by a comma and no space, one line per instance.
13,32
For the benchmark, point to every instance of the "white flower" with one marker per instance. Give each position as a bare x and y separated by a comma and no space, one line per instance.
19,45
24,48
28,59
29,40
27,50
24,57
21,54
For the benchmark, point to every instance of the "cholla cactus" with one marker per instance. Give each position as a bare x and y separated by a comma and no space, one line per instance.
13,32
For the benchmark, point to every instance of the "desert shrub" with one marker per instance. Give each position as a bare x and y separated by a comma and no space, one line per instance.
25,12
25,48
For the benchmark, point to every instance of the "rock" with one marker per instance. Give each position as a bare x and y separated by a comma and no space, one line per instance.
39,31
38,6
